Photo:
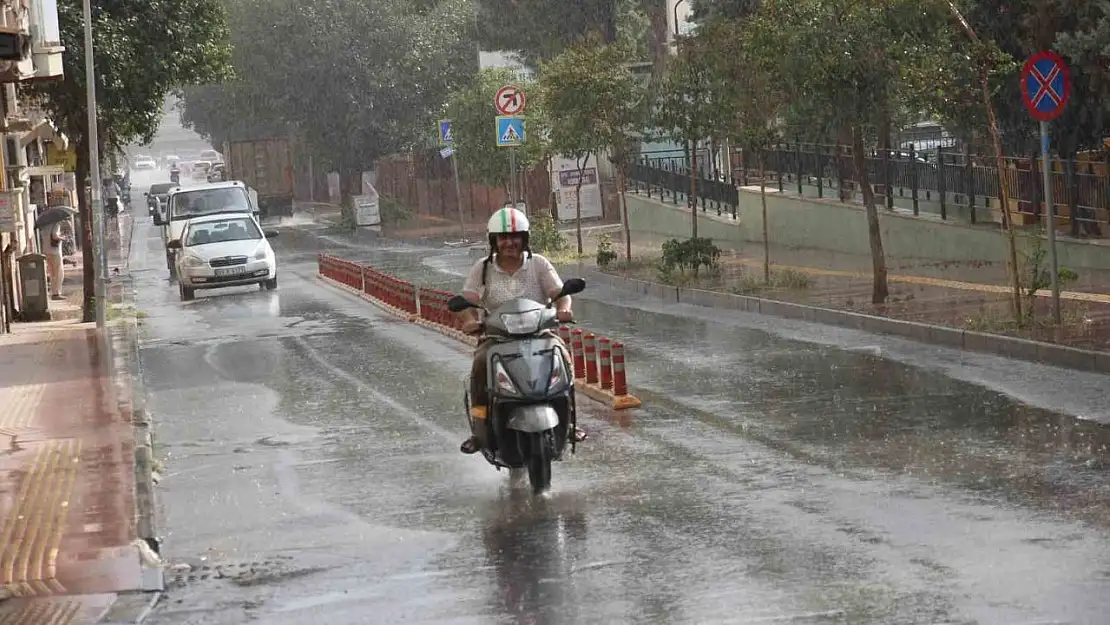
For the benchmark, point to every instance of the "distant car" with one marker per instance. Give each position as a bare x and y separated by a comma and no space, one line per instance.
218,173
200,170
211,156
217,251
144,163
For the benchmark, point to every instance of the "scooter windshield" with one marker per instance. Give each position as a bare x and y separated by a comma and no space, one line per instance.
524,322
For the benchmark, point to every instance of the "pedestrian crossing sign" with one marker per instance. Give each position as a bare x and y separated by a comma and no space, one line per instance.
510,131
445,135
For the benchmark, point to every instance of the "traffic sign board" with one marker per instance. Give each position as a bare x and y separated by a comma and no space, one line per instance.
1045,85
446,152
510,131
509,100
445,136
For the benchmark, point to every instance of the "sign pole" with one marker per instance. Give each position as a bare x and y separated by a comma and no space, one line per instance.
512,176
1050,224
510,102
458,193
1046,89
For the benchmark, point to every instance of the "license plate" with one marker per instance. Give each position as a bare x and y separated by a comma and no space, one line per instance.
230,271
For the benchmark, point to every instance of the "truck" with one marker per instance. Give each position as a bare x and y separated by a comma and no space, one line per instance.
266,166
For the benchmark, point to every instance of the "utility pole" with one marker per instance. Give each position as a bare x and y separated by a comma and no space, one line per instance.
93,137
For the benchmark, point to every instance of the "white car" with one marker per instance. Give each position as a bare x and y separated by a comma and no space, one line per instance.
143,163
217,251
185,203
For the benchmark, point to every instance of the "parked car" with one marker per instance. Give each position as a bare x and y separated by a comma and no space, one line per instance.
156,198
217,251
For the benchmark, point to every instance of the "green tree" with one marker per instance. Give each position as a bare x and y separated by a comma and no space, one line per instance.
841,64
752,99
692,106
594,103
142,50
473,123
372,87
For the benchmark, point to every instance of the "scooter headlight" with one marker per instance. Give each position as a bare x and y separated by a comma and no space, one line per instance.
501,377
525,322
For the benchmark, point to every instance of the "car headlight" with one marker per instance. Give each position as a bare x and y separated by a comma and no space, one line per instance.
525,322
501,377
260,253
193,261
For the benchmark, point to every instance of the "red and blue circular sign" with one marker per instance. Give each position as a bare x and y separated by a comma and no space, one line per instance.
1045,85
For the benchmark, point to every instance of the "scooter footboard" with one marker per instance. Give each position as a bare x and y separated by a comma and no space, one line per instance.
535,418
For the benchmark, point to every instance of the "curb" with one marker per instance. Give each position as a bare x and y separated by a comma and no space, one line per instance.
401,314
1011,347
596,393
600,395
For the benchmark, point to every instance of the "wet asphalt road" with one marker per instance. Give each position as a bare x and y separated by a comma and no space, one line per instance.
312,474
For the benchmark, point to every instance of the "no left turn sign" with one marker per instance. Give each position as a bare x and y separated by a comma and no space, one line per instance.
509,100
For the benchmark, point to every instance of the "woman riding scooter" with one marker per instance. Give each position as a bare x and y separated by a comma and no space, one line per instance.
510,271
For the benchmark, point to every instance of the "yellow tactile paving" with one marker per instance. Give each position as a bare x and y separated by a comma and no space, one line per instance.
937,282
32,532
19,403
42,613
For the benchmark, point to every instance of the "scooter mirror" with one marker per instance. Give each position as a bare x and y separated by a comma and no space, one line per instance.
459,303
573,286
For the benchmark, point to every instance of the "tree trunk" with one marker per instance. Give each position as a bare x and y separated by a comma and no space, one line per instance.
88,254
694,190
763,204
879,291
624,212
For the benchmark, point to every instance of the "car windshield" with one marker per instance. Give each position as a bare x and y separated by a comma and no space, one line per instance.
236,229
189,204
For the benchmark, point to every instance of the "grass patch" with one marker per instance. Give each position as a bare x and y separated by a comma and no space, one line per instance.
785,279
999,320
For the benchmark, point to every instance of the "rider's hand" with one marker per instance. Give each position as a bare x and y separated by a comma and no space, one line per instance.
564,315
471,326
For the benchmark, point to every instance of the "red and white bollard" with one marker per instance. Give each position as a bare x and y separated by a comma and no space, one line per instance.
603,356
590,342
620,382
577,355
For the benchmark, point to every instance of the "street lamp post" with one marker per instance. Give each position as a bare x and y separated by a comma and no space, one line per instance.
100,260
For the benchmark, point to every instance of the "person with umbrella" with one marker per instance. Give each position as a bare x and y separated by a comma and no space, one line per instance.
51,220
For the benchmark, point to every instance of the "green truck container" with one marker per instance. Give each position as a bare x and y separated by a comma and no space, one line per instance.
266,166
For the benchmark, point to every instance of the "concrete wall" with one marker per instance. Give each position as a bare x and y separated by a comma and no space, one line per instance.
837,227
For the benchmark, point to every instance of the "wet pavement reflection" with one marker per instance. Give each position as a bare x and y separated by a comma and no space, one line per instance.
767,480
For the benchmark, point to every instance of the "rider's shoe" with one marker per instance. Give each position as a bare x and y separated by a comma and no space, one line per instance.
470,446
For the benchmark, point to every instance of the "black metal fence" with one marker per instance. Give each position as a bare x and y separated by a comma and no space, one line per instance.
940,181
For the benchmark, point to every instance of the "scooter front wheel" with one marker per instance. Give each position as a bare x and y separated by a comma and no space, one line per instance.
541,449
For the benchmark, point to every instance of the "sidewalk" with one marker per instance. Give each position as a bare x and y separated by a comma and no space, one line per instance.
67,493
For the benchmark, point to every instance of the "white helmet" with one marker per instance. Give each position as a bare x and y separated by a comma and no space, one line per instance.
507,220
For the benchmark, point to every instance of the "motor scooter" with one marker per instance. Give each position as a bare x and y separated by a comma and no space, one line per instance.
531,389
